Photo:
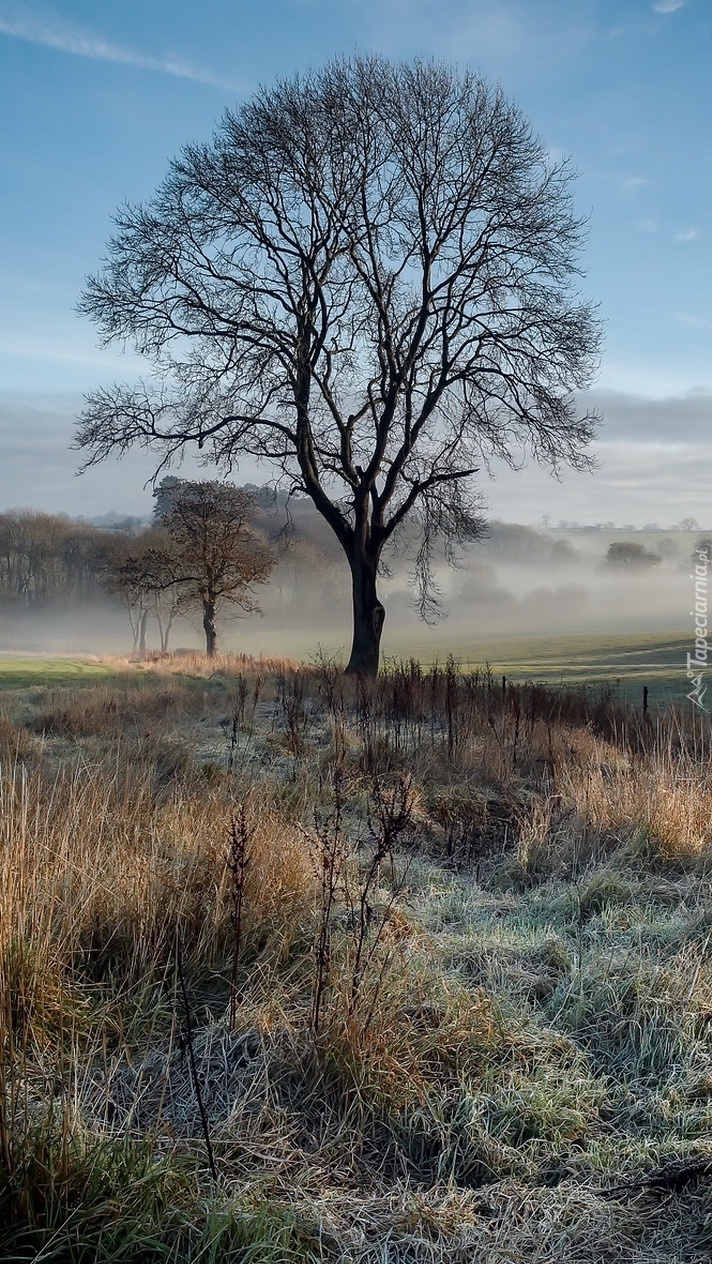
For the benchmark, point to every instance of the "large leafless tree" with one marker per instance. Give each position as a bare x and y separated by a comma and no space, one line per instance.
368,279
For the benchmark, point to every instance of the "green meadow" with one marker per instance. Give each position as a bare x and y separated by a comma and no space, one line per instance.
23,673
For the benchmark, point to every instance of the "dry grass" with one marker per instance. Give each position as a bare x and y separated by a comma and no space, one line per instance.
99,871
503,899
191,663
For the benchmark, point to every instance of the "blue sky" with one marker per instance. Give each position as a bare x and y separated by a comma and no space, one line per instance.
97,97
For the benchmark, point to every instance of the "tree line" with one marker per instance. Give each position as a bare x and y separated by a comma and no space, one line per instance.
47,560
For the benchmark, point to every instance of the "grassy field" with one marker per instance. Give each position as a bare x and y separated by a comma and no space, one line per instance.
21,673
624,662
626,659
304,971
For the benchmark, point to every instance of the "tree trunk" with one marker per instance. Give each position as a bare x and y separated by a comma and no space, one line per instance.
134,624
142,634
211,638
159,621
369,617
166,633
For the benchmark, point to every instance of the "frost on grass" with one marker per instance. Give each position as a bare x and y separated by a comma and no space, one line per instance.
450,985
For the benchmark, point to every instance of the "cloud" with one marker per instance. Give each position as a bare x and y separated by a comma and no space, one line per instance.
676,420
39,469
635,482
65,39
687,234
647,226
689,320
656,464
668,6
635,182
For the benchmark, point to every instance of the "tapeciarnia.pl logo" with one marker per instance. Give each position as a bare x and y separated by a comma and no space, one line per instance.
697,662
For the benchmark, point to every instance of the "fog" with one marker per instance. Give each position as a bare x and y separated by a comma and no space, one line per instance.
516,584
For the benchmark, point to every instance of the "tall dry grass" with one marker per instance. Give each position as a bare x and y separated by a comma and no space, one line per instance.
445,958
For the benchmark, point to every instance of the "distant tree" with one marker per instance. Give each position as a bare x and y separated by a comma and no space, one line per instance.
689,524
667,548
479,583
269,498
305,572
203,553
563,553
48,560
627,555
369,278
127,524
215,556
164,495
526,546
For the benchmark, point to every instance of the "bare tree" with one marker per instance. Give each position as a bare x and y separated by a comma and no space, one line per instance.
47,560
214,557
202,554
138,569
367,278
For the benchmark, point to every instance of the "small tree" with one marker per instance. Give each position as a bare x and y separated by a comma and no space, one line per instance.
202,553
157,574
214,557
667,549
369,279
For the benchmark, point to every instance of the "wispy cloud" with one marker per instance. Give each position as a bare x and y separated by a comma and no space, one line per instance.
691,320
646,226
635,182
687,234
668,6
65,39
55,346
